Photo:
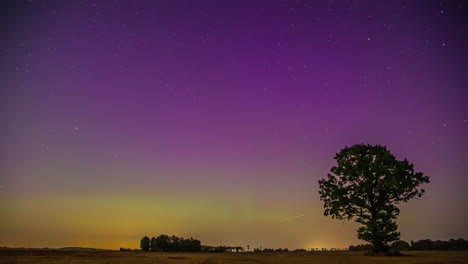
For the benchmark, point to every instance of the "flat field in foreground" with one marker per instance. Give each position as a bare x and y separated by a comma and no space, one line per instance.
56,257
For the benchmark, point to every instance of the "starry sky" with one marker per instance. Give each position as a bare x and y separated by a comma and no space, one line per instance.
216,119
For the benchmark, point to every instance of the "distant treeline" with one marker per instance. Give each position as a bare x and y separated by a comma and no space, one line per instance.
272,250
222,249
258,250
165,243
425,244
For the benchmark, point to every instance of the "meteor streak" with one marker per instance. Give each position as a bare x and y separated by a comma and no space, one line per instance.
292,217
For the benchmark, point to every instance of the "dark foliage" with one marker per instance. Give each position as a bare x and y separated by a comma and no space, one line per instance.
164,243
145,243
425,244
400,245
300,250
127,249
365,185
362,247
273,250
452,244
222,249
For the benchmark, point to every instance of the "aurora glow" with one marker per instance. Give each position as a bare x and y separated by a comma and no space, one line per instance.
216,120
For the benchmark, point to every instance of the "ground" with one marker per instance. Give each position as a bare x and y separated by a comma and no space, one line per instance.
56,257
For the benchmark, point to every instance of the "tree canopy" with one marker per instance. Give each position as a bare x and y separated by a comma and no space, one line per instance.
365,185
145,243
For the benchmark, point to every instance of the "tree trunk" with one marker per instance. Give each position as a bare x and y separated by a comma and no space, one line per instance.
375,237
377,247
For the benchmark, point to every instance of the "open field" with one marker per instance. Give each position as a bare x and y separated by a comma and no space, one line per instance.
56,257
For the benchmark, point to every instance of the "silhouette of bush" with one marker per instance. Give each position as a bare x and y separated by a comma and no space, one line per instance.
400,245
362,247
425,244
442,245
458,244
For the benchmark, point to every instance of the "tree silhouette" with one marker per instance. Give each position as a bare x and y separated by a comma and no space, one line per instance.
365,185
145,243
165,243
162,243
153,244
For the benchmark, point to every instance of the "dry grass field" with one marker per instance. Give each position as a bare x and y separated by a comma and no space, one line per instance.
56,257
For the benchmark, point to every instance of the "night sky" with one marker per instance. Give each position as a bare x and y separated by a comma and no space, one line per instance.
216,119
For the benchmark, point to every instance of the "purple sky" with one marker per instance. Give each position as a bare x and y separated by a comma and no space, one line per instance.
217,119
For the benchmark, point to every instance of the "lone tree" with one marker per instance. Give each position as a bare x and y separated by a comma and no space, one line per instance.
365,185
